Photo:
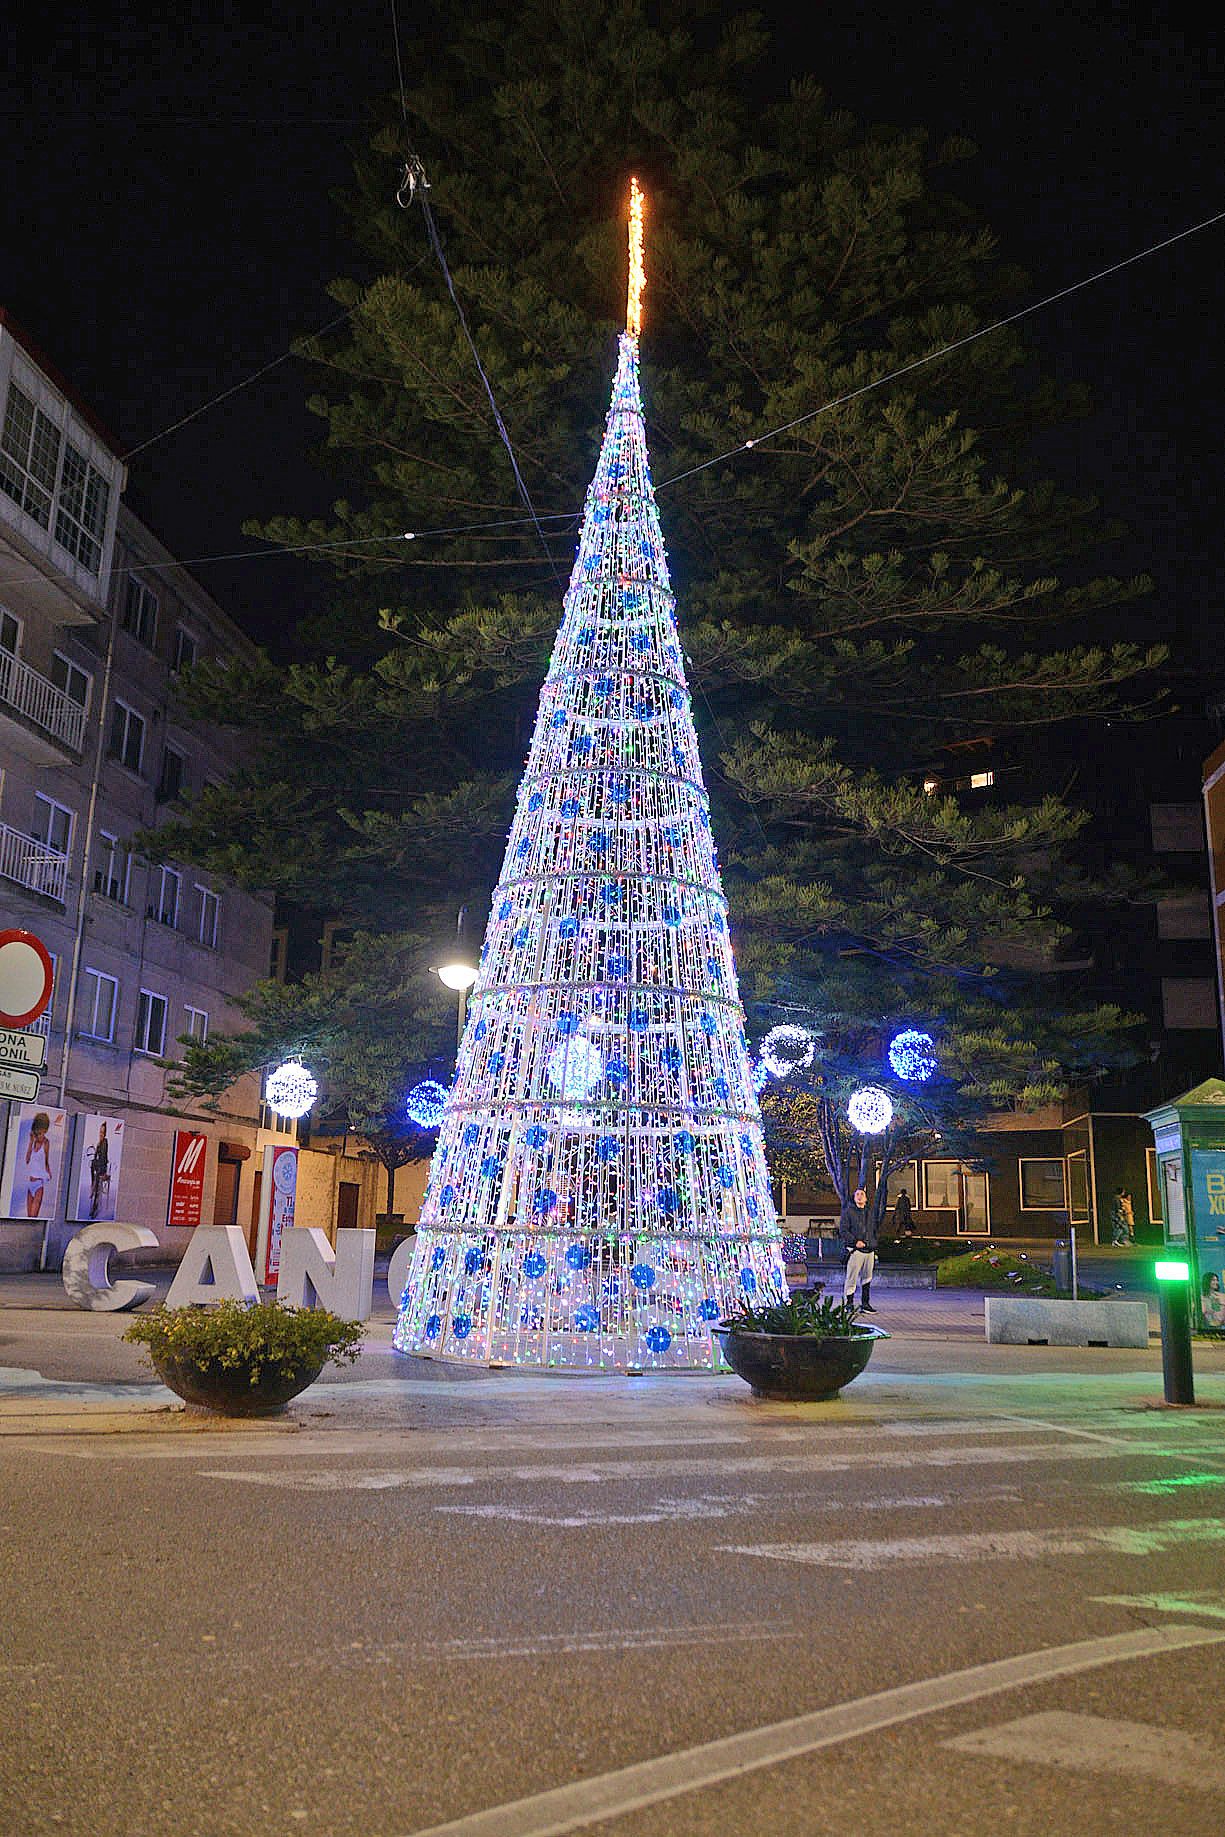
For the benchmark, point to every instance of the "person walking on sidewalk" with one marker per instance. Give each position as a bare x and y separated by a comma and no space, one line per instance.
1122,1218
857,1229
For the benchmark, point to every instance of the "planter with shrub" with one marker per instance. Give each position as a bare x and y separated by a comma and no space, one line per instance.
243,1360
806,1348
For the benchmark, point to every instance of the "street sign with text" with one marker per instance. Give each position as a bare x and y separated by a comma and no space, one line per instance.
23,1051
16,1083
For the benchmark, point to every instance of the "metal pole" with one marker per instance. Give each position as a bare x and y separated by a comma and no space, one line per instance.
1174,1305
1075,1271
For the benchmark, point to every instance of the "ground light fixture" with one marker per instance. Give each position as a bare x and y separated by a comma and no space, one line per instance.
1174,1306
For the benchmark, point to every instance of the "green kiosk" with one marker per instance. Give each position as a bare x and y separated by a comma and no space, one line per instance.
1190,1137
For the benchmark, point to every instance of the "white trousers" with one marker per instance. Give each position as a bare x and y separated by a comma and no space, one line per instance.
860,1265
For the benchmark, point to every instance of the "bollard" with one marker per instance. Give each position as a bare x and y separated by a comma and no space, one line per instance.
1061,1266
1174,1303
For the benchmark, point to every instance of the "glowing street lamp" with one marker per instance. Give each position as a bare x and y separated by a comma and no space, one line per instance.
457,975
1174,1307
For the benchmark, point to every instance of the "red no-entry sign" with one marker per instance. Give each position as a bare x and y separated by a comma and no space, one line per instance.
25,978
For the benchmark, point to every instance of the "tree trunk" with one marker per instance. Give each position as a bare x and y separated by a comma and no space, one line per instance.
391,1188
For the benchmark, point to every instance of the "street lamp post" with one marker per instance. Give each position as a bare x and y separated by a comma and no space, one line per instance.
459,973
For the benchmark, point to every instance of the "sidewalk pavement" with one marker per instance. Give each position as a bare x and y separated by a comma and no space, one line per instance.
66,1371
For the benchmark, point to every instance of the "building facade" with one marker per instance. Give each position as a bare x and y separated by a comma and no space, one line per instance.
97,621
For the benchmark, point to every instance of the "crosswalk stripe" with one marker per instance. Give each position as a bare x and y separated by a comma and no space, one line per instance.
985,1546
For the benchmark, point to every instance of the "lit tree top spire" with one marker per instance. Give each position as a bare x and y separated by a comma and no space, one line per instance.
638,273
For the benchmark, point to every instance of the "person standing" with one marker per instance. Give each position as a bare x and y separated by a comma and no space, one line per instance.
903,1216
857,1229
1122,1218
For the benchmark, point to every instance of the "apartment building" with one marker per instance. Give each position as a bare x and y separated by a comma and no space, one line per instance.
97,620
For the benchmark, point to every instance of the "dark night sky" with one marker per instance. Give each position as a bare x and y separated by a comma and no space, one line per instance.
168,229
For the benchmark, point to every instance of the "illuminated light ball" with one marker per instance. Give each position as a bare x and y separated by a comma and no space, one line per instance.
534,1265
642,1276
425,1103
870,1110
290,1090
913,1056
787,1049
574,1068
708,1309
461,1326
587,1320
578,1257
658,1339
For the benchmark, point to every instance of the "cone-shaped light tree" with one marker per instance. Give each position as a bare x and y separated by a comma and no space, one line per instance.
599,1194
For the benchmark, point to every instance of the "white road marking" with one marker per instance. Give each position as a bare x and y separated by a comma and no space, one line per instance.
987,1546
630,1639
817,1464
670,1511
1098,1744
611,1795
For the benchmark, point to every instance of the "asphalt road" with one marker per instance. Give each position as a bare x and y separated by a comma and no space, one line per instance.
423,1603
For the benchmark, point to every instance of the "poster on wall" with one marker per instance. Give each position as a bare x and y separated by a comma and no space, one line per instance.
33,1161
278,1195
97,1155
1208,1207
186,1201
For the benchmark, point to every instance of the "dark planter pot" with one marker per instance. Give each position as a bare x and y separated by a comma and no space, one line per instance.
229,1390
797,1365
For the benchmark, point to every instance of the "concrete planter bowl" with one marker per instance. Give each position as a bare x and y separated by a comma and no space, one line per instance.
797,1366
228,1388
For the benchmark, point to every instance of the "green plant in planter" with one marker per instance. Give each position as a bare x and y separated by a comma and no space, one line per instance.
807,1316
265,1341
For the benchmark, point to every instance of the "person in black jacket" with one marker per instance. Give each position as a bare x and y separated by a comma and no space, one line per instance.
857,1229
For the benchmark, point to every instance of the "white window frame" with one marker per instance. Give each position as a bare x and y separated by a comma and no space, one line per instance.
199,1034
72,669
145,1010
54,805
129,715
81,508
1023,1161
209,901
144,608
929,1204
88,1031
1074,1217
109,853
34,492
157,908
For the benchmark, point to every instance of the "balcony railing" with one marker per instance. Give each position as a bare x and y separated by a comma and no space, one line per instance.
32,864
41,702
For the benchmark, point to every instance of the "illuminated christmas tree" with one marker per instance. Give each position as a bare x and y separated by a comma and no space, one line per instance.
599,1194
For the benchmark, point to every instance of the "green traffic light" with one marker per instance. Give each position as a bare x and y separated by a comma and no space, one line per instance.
1172,1272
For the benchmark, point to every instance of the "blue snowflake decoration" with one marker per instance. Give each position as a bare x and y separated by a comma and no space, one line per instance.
447,1196
587,1320
473,1260
658,1339
913,1056
534,1265
461,1326
438,1256
708,1309
570,806
608,1148
672,1058
567,928
578,1257
472,1134
642,1276
748,1281
616,1071
567,1023
639,1020
685,1141
536,1136
545,1201
433,1326
618,965
491,1167
581,744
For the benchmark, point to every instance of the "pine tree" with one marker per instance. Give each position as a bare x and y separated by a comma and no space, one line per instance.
867,590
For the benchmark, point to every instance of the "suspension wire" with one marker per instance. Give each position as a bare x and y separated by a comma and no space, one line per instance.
946,350
415,184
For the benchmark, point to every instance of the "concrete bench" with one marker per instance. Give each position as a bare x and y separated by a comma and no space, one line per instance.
887,1275
1015,1320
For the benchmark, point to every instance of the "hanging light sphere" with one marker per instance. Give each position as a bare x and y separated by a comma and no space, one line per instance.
787,1049
290,1090
574,1068
425,1103
913,1056
870,1110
